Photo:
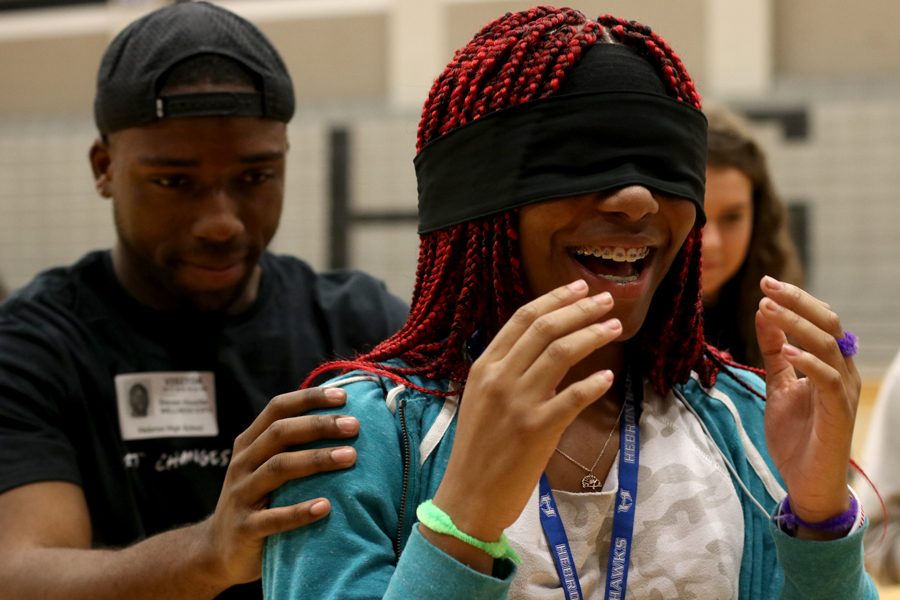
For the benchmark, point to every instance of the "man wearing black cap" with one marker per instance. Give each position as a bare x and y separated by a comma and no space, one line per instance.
192,105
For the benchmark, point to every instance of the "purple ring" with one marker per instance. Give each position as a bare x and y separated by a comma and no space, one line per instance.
849,344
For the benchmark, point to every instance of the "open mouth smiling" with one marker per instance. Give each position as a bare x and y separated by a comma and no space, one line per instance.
615,264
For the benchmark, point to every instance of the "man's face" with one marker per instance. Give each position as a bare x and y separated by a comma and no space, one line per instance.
195,201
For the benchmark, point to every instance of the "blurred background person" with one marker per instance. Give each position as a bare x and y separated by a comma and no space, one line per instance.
745,237
879,461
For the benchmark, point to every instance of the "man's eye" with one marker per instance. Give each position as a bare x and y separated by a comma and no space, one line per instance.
257,177
170,181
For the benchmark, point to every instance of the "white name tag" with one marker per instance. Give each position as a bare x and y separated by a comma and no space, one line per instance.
167,404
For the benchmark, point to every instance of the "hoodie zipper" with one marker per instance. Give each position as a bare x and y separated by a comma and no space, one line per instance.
404,490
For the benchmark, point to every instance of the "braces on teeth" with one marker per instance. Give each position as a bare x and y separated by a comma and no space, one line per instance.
617,254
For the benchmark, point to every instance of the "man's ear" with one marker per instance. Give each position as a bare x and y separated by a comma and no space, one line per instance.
101,162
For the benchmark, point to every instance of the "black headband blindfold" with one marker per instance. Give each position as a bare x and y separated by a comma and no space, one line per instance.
562,146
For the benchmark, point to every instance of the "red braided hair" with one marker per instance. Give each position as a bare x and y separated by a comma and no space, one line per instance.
516,58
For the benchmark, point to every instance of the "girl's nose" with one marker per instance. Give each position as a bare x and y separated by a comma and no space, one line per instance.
633,202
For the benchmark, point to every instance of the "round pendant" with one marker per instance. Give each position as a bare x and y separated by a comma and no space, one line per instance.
590,482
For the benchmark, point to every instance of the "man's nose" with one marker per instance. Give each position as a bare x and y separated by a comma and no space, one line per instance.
219,219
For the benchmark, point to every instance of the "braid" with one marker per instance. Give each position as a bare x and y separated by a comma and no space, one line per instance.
513,59
724,362
671,342
469,276
655,49
450,302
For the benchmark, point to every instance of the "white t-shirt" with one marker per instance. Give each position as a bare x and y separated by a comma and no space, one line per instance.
688,529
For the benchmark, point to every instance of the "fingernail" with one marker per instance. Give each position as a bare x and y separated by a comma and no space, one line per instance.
603,298
614,325
771,305
335,394
577,286
347,424
318,508
772,283
342,455
792,351
606,374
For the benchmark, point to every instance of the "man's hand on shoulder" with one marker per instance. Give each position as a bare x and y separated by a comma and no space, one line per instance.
45,527
264,458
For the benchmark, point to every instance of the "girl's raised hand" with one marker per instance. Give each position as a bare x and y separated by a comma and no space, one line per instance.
809,419
513,414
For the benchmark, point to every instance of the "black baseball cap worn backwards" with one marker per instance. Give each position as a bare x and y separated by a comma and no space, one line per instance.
134,64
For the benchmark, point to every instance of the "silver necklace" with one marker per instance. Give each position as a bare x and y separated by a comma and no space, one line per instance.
591,481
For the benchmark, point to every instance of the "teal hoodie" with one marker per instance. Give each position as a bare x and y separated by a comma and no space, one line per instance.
368,546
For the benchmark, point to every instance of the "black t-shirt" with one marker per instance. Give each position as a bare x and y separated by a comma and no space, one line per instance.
141,408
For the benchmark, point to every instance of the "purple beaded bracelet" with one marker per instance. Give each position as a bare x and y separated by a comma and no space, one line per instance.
839,524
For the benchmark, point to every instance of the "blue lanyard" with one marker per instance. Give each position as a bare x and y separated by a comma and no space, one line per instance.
626,496
623,516
559,542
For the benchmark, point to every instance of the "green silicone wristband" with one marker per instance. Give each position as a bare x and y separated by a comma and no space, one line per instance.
438,521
